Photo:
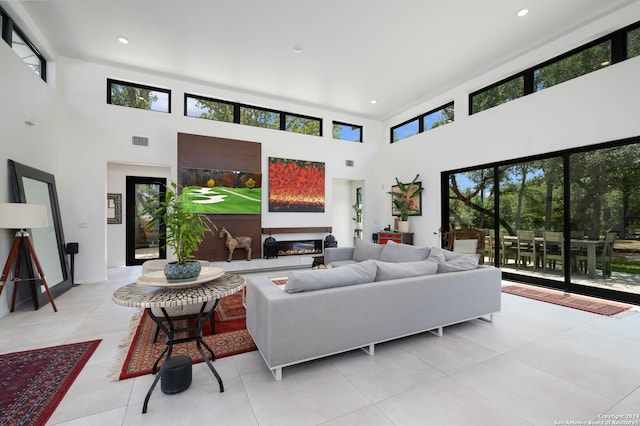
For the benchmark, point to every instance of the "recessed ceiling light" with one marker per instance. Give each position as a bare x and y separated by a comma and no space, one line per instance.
123,40
373,101
522,12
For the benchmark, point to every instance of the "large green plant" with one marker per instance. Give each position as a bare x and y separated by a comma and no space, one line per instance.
183,230
403,196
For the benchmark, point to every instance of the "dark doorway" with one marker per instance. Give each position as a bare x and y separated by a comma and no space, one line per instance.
143,242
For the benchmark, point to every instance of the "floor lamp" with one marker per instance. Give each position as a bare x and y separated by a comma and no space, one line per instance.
22,216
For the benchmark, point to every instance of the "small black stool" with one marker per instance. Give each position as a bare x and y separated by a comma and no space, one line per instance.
175,374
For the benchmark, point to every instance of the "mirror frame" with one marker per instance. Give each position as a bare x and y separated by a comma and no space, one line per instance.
18,172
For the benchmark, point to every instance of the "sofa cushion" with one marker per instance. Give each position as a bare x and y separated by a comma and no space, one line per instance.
443,255
365,250
393,270
338,263
397,252
318,279
465,262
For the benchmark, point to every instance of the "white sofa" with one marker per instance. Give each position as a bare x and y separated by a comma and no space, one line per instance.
310,322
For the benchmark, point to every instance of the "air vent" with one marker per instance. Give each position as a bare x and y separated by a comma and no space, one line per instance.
140,141
349,163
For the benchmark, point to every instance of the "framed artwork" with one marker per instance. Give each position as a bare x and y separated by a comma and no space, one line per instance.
114,209
296,185
216,191
416,202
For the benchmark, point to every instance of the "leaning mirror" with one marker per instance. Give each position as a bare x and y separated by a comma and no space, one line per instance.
37,187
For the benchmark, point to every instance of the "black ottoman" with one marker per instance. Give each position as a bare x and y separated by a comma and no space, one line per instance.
175,374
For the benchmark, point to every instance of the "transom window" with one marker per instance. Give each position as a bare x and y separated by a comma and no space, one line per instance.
138,96
20,44
427,121
347,132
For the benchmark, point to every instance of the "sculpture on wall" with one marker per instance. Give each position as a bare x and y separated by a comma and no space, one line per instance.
236,242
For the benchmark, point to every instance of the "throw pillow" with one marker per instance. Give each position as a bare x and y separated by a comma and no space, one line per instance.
397,252
365,250
391,270
465,246
465,262
443,255
318,279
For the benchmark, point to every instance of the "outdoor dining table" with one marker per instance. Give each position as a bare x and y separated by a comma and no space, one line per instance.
152,291
590,245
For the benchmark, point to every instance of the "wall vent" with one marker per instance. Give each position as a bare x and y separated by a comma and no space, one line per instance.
349,163
139,141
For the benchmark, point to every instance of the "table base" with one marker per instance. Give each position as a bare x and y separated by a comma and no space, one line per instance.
166,324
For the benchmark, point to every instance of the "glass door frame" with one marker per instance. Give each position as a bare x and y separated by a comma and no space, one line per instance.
565,285
130,215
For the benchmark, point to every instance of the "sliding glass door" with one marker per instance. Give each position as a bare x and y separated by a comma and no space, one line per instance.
569,220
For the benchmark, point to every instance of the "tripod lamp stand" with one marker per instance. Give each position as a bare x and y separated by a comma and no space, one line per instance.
22,216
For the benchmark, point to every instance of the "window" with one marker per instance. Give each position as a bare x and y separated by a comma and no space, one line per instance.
633,43
304,125
22,45
427,121
497,95
575,65
405,130
259,117
584,199
138,96
347,132
438,117
210,109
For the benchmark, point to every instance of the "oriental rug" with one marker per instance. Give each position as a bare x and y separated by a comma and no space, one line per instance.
32,383
230,338
595,306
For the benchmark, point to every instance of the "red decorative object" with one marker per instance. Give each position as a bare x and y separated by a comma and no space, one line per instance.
296,185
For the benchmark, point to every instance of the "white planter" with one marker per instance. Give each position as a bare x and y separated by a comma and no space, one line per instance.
403,226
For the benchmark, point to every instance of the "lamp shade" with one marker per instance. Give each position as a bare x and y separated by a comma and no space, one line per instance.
22,216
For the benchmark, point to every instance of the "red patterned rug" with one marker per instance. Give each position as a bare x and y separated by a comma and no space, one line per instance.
231,337
600,307
32,383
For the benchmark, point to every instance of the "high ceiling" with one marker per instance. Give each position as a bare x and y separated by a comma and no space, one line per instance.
336,54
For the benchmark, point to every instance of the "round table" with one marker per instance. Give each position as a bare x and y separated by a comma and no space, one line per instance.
135,295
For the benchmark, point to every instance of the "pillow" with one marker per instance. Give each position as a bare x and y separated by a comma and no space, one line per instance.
443,255
318,279
391,270
396,252
465,246
365,250
465,262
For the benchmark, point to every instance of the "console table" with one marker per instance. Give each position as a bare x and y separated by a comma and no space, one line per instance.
137,295
398,237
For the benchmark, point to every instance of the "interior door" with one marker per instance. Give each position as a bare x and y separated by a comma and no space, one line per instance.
143,241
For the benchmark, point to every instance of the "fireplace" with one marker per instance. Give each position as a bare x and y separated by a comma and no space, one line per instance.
273,248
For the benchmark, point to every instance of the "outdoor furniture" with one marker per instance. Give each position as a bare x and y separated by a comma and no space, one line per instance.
552,249
508,247
602,249
467,235
527,249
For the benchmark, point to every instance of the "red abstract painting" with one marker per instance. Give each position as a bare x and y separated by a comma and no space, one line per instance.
296,185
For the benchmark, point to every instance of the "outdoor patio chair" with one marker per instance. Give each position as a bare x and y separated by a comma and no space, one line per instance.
552,249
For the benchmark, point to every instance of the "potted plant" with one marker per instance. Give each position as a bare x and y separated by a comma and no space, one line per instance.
402,201
182,229
357,218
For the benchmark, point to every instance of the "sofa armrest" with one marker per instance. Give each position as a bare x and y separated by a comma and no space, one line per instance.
334,254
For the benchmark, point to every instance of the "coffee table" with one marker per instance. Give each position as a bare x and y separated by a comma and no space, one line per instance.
148,296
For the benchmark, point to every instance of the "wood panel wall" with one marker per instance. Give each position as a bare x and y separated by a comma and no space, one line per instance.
209,152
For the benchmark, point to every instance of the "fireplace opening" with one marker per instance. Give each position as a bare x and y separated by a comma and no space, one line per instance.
273,248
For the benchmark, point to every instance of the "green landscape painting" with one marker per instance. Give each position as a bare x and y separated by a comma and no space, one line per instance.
222,191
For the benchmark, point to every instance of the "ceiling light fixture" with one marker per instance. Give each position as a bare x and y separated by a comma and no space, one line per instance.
123,40
373,101
522,12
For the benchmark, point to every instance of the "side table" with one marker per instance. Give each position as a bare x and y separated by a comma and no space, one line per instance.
136,295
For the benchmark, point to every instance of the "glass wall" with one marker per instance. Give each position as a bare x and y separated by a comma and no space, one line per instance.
570,220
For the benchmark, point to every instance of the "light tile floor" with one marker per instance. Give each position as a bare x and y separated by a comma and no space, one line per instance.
537,364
